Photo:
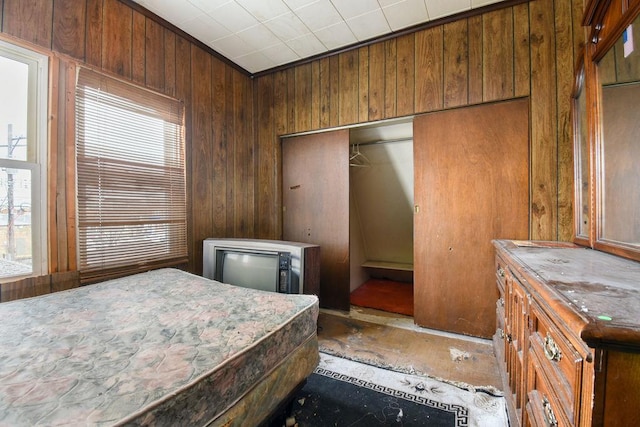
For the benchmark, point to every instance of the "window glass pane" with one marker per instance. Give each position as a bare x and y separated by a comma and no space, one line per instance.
14,86
15,222
131,179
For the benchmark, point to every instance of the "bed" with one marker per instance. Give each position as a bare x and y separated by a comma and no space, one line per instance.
158,348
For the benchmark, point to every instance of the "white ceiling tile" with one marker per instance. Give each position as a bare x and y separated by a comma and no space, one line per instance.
206,5
205,29
232,46
263,10
258,36
318,15
240,28
350,9
387,3
280,54
297,4
369,25
234,17
307,45
439,9
405,14
254,62
287,26
175,12
336,36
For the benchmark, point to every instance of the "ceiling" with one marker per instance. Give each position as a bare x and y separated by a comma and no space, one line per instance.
259,35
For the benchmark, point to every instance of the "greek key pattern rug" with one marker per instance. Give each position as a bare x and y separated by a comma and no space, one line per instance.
456,406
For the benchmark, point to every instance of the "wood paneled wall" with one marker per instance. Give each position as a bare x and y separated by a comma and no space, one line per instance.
527,50
233,122
119,38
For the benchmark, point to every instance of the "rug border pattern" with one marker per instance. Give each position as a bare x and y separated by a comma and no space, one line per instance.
460,412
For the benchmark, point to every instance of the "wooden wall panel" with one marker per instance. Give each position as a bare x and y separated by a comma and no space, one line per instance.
228,154
376,81
117,38
406,75
522,62
30,20
169,62
475,60
348,89
544,143
154,61
202,164
93,37
268,178
565,63
315,95
517,51
334,91
138,48
244,157
390,78
303,98
219,150
497,58
325,93
429,70
456,64
109,41
69,26
363,84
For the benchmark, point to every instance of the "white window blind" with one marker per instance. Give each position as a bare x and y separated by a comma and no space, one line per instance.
131,178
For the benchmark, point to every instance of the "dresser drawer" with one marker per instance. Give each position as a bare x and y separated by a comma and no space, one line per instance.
560,363
501,272
544,407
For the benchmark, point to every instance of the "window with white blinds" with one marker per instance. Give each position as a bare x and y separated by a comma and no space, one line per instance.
131,178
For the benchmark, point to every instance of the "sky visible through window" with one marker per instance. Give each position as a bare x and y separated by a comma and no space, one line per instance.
15,183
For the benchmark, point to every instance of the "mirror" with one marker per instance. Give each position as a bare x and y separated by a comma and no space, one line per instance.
618,153
581,156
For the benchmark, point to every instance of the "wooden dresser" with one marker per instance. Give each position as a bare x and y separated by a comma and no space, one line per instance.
568,334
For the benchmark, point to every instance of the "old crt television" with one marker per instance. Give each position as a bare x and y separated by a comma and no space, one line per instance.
268,265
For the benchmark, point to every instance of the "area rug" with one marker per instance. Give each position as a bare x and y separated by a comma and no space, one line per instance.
343,392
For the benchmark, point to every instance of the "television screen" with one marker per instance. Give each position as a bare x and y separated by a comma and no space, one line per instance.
250,270
271,265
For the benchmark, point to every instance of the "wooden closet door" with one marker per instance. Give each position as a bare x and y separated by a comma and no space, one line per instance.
315,187
471,186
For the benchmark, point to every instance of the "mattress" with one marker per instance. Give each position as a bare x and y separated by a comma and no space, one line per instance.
164,348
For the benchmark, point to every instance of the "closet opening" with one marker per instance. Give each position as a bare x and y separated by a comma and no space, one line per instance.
381,217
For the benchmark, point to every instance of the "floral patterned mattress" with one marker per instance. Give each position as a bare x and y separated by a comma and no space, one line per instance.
164,347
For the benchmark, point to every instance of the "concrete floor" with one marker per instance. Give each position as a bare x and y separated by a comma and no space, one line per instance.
391,340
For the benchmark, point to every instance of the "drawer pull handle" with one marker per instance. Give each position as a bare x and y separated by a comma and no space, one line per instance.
501,302
500,272
500,333
551,349
549,416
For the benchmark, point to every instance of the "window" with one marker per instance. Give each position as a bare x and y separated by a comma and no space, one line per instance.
131,180
23,144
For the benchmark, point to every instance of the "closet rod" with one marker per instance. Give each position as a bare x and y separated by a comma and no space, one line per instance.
384,141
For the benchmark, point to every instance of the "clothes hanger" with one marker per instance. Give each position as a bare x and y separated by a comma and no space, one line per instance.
357,159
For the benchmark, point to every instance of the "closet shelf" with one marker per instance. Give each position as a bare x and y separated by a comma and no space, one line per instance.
388,265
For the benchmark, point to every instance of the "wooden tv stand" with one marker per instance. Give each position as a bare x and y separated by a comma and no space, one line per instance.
568,334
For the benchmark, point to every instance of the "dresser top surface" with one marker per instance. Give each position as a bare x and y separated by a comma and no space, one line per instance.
601,288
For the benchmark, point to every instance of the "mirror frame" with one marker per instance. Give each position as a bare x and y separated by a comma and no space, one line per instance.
606,20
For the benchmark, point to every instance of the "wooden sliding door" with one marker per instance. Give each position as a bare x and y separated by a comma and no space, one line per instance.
315,197
471,186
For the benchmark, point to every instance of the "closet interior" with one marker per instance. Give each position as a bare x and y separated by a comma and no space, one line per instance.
381,217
